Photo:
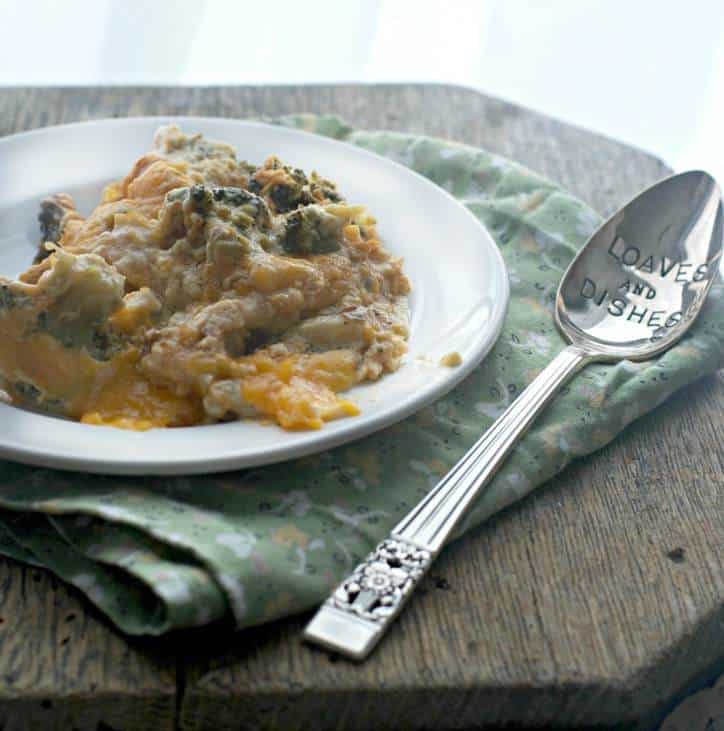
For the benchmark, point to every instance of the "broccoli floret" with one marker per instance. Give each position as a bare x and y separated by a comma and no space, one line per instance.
10,299
288,197
311,230
204,199
52,221
32,398
299,190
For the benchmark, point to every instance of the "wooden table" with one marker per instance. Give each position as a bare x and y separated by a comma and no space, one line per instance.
596,601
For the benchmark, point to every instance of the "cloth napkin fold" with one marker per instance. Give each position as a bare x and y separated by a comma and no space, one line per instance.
156,554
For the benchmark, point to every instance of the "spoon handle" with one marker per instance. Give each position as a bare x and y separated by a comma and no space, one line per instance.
357,614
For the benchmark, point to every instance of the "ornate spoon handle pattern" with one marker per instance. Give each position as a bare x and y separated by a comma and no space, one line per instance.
356,616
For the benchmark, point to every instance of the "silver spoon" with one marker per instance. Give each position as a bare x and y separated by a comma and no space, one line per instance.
632,291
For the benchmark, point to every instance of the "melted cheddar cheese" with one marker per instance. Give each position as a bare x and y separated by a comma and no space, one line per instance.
203,289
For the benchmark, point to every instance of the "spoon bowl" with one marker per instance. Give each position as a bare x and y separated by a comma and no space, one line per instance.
639,282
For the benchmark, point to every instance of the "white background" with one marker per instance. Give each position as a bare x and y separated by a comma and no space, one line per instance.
649,72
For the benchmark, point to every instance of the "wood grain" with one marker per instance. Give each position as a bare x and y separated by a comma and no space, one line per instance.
593,602
62,667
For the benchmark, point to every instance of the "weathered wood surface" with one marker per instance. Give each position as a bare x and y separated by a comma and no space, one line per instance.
595,601
62,667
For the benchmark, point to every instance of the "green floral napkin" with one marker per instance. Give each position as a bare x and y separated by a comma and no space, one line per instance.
157,554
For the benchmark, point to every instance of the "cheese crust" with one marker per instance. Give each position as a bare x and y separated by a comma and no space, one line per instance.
203,289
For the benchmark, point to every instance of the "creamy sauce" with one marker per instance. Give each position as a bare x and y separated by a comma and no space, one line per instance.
203,289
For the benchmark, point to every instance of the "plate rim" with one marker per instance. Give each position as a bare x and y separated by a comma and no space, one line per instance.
317,441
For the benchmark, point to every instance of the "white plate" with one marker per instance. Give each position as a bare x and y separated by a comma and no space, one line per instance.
460,289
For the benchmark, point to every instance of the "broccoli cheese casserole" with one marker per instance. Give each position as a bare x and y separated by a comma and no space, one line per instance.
203,289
